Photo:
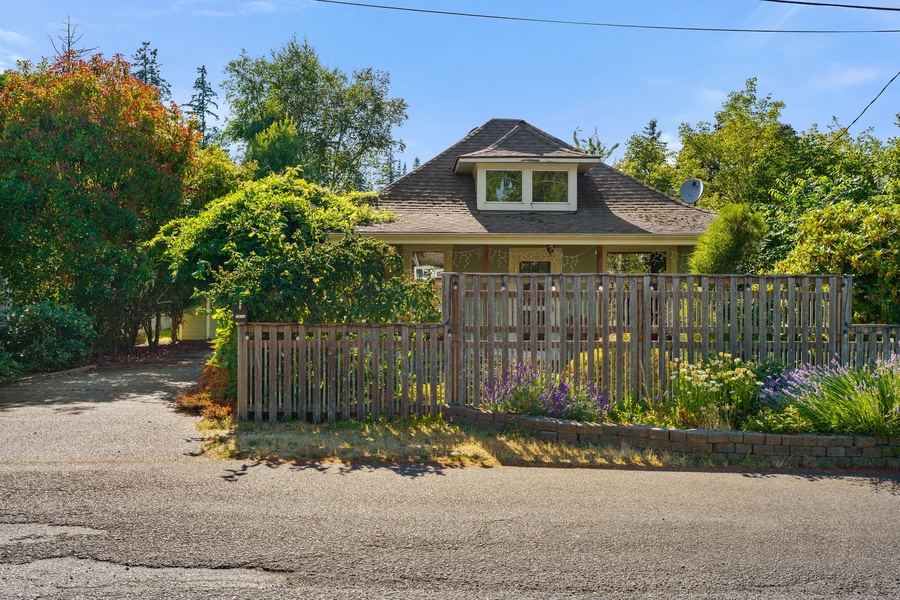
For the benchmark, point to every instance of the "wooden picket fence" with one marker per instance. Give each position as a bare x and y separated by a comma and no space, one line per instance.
870,343
621,332
338,372
624,331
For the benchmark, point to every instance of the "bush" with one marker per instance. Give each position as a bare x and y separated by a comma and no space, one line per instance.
48,335
9,368
836,399
732,238
715,394
774,420
526,391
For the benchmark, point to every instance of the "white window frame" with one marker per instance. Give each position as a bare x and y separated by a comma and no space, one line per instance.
527,170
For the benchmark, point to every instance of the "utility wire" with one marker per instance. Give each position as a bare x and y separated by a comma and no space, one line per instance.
835,5
611,25
845,130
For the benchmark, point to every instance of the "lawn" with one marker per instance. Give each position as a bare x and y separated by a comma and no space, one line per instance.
428,440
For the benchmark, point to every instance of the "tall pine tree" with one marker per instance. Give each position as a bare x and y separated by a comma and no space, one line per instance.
146,68
200,106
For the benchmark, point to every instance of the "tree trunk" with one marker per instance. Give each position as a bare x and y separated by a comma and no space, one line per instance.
177,318
158,327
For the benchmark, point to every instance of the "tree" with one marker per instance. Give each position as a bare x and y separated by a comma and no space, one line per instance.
276,148
416,163
861,239
344,124
592,144
68,42
730,239
741,156
201,107
267,245
647,158
147,69
91,164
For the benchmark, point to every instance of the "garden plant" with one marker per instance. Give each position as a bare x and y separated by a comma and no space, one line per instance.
723,392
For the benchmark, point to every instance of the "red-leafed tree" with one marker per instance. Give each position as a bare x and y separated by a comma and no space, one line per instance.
91,165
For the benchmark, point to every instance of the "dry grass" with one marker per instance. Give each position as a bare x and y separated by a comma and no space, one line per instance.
205,398
432,441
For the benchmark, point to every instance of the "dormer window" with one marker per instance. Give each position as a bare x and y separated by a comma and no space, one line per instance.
526,170
503,186
549,186
531,187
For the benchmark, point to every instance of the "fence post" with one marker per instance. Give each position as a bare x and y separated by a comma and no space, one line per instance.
242,371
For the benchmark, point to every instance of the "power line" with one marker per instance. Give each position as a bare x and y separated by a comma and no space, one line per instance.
835,5
610,25
845,130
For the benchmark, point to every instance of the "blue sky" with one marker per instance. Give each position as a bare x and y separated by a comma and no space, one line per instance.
455,72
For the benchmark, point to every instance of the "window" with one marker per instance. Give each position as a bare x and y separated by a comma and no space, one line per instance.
427,264
503,186
636,262
534,266
509,186
550,186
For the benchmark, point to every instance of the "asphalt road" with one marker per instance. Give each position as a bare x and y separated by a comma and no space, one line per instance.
103,495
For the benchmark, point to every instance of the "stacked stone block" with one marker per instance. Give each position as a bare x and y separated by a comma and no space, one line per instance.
809,450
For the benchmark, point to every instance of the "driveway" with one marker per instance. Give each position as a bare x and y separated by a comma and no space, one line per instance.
113,414
102,495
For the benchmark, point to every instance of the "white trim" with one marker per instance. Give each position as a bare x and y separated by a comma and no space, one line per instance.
571,239
527,170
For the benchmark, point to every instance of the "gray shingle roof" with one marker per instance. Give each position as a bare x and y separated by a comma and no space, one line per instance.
435,199
525,140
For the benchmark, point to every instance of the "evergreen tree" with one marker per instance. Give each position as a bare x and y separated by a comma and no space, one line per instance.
416,163
200,106
146,68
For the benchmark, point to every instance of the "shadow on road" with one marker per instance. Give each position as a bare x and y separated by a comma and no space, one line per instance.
82,392
410,470
879,481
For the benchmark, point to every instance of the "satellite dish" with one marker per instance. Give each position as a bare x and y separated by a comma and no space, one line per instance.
691,190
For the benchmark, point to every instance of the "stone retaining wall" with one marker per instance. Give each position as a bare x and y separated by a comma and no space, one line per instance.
797,449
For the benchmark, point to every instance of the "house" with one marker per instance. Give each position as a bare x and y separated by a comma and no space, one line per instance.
510,198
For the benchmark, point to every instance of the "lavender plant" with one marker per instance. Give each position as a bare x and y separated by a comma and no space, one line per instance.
526,391
838,399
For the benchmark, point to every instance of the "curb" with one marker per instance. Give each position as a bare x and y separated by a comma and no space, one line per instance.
40,376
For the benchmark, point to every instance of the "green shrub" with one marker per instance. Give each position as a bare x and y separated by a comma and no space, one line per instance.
774,420
640,412
731,238
9,368
48,335
714,394
225,355
835,399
